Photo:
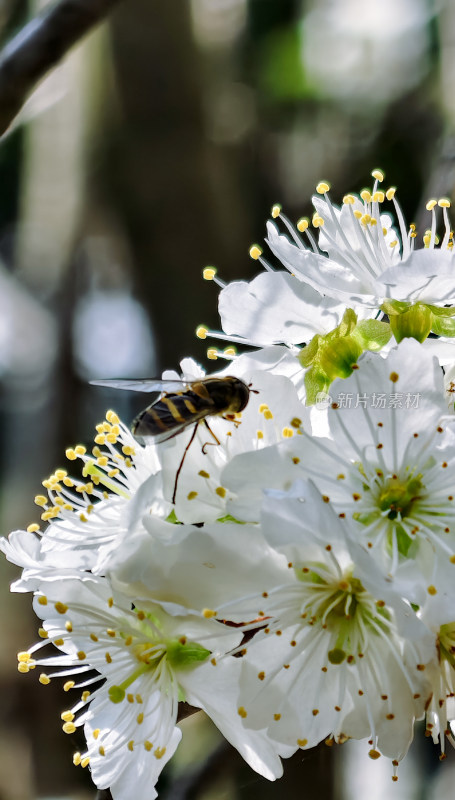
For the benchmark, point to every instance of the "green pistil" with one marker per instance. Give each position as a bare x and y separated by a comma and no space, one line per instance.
178,653
117,693
90,468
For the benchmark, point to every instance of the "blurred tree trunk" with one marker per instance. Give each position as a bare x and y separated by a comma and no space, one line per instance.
174,188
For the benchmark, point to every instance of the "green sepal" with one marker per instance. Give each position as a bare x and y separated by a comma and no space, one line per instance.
414,323
335,354
372,334
394,307
338,357
181,654
442,312
443,326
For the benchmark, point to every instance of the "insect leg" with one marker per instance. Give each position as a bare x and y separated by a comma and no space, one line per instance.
181,463
217,441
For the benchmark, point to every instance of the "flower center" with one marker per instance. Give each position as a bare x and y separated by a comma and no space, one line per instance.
447,643
343,608
398,497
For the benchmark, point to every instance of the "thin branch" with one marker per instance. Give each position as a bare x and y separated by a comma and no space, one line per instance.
39,46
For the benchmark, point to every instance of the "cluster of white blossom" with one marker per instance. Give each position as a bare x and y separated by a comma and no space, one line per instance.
297,582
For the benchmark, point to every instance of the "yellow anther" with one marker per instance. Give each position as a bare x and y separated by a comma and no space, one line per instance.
76,759
85,696
255,252
59,642
68,482
241,711
96,732
68,685
23,668
276,210
80,450
212,353
302,742
100,439
444,202
379,197
33,527
220,491
68,727
140,718
42,633
130,745
70,454
208,273
67,716
101,750
111,438
317,221
358,214
115,430
390,193
268,414
128,450
191,495
81,655
201,333
148,745
41,500
159,752
112,473
373,221
102,461
112,417
287,433
432,590
349,199
259,434
85,762
60,474
427,240
42,600
24,657
208,613
230,351
60,608
365,194
366,219
394,243
203,473
69,626
302,224
263,407
322,187
378,174
431,204
44,679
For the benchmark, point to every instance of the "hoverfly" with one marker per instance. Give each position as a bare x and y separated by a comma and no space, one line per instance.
183,404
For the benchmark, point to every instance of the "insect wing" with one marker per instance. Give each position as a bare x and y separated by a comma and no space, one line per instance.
143,385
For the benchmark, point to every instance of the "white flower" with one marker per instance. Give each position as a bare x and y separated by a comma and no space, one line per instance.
147,659
342,655
390,464
87,518
367,259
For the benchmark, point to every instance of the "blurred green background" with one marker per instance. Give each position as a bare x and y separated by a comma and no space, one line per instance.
158,147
